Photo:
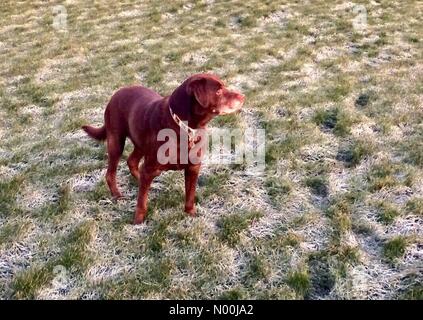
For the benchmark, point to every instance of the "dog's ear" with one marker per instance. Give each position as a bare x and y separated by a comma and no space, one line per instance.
201,90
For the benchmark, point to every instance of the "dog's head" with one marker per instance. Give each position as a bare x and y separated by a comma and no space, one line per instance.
212,95
205,95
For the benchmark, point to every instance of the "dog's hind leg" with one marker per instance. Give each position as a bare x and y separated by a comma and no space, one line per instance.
147,175
115,147
134,161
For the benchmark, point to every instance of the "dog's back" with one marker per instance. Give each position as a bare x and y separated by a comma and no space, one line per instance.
126,99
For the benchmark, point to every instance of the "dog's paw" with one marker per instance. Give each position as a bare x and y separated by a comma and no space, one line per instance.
138,220
191,211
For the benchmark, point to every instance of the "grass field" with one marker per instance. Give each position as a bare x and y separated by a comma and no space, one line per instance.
338,213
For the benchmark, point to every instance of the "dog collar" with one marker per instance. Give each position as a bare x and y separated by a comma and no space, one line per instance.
190,131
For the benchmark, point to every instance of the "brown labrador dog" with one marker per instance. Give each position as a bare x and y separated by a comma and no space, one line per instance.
140,114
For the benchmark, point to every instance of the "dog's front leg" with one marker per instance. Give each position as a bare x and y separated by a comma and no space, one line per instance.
146,177
191,177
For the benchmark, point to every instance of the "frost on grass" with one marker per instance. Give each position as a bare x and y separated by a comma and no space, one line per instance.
33,197
87,181
53,69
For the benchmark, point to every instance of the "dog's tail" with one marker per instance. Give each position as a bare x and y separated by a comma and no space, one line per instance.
96,133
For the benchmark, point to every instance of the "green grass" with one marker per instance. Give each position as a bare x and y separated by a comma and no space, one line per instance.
345,257
60,205
317,185
286,139
362,100
290,240
387,212
8,191
413,148
340,213
277,189
35,94
26,284
413,293
231,121
382,176
300,282
233,294
73,124
152,279
356,152
74,256
337,120
328,266
322,277
279,150
212,185
100,191
257,268
394,248
154,73
158,238
415,206
169,198
232,225
12,232
337,91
